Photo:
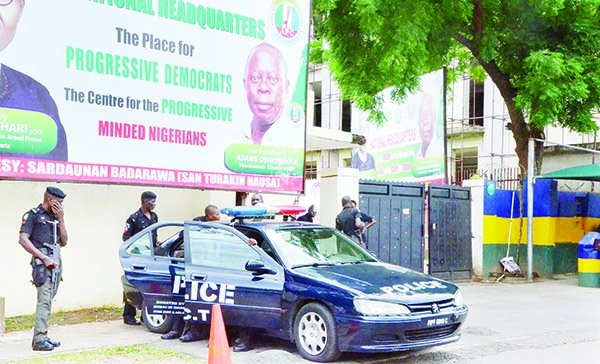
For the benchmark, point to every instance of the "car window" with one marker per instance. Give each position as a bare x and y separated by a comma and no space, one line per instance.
142,246
168,233
261,242
219,248
170,239
301,246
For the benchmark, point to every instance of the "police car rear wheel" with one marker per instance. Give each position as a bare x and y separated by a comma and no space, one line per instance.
316,334
158,324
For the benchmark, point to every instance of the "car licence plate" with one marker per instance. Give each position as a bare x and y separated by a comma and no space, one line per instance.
436,321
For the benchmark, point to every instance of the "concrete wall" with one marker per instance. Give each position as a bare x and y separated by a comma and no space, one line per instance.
335,184
560,220
95,217
477,191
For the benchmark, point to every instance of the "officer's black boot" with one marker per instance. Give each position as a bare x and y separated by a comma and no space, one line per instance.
53,343
194,332
176,330
43,346
244,342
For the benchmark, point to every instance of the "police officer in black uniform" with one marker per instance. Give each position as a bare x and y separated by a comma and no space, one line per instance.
193,331
137,222
348,221
43,233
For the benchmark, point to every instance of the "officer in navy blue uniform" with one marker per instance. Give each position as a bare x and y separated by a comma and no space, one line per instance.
137,222
42,233
192,331
348,221
368,220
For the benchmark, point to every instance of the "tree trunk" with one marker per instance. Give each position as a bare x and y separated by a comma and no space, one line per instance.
521,130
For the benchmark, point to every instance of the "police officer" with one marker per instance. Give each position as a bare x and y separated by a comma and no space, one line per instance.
42,233
137,222
348,221
309,215
193,331
368,220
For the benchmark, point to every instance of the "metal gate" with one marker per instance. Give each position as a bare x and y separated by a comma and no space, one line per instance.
450,232
398,236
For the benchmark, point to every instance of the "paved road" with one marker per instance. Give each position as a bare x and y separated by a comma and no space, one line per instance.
552,321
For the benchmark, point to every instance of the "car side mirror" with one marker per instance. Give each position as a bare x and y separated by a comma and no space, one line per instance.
258,267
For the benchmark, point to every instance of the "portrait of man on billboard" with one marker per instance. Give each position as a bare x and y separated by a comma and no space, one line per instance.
361,158
267,85
28,114
426,123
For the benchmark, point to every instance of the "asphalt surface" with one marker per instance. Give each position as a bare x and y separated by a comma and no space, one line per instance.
550,321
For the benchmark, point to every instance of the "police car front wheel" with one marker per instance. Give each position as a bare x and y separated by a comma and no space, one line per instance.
158,324
316,334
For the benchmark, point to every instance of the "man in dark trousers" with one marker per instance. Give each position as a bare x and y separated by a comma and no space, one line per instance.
348,221
137,222
192,331
43,233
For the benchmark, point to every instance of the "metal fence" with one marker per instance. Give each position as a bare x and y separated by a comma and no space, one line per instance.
506,178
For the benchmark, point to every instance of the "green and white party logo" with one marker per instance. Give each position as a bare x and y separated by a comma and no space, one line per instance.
286,20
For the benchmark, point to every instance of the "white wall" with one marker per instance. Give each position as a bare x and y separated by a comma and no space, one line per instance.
477,190
335,184
95,217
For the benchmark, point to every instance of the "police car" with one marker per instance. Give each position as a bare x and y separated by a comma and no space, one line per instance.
303,282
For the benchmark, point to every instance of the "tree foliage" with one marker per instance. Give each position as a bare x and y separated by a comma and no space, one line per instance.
541,54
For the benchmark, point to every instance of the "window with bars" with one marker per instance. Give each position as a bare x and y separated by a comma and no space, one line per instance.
310,170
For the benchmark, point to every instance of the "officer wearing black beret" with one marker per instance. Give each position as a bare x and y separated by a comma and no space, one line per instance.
43,233
137,222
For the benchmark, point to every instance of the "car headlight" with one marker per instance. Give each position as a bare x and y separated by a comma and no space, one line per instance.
379,308
458,299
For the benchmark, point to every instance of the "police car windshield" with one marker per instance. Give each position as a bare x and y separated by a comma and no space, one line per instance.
304,247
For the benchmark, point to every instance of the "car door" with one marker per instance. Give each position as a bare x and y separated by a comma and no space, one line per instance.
153,272
215,257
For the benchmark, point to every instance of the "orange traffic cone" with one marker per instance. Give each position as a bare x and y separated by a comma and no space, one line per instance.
218,347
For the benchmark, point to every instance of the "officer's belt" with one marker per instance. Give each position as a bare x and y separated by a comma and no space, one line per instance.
49,249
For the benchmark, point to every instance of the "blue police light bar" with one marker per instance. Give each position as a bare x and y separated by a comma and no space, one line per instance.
261,210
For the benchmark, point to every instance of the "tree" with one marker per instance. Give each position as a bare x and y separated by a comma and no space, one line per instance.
543,55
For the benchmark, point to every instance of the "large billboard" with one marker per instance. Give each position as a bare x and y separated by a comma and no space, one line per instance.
198,93
409,146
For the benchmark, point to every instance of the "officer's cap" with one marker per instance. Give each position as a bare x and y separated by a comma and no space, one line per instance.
148,195
56,192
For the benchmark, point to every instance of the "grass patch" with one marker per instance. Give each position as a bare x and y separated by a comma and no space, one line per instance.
93,314
121,354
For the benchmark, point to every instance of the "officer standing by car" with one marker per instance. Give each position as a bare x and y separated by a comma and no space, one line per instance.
348,221
192,331
42,234
368,220
137,222
244,340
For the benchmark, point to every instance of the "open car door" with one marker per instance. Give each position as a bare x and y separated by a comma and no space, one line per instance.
222,269
153,276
